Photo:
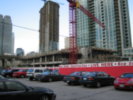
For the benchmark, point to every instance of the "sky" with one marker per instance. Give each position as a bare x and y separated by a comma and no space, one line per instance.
25,13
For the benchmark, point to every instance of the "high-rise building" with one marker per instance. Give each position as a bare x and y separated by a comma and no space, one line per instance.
12,43
6,36
19,52
115,16
1,33
49,27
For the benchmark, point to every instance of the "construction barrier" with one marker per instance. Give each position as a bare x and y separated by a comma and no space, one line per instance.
113,68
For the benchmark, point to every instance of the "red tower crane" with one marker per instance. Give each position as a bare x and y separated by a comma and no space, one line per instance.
73,4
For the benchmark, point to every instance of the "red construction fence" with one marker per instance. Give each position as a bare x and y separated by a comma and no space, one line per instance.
113,68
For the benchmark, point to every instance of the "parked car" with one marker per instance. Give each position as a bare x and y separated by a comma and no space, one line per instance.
97,79
125,81
14,90
8,72
32,72
73,78
50,75
20,73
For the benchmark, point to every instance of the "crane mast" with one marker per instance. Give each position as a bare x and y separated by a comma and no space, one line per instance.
73,4
72,33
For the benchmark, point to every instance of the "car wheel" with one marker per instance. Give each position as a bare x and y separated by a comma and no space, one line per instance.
44,97
85,85
50,80
98,84
30,78
69,83
116,88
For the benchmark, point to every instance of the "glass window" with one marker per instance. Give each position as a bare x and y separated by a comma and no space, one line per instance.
90,74
76,73
38,70
30,70
14,86
55,72
100,74
46,73
105,74
128,75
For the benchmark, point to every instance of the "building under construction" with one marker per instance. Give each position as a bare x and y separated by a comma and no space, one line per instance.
49,27
56,58
115,15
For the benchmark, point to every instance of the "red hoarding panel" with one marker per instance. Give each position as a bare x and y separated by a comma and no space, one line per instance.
113,71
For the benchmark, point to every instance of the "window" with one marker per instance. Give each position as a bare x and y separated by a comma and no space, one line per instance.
14,86
38,70
127,75
55,72
100,74
30,70
2,89
76,73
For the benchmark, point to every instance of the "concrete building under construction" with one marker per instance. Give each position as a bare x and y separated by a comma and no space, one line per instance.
56,58
49,27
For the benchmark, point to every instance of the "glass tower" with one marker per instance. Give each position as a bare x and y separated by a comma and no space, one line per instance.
114,14
6,36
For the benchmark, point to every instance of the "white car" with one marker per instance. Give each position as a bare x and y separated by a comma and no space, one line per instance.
32,72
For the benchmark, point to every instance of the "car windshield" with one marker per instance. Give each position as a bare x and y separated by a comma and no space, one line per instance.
75,73
128,75
22,70
30,70
9,70
90,74
4,71
46,73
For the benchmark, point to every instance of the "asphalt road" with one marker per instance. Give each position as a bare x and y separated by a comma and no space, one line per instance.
65,92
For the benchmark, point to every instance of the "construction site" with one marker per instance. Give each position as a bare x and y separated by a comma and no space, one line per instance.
56,58
90,38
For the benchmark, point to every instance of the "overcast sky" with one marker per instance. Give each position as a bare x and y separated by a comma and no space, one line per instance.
26,13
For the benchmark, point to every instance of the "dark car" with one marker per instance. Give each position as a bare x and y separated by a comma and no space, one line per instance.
125,81
96,79
14,90
50,75
73,78
9,72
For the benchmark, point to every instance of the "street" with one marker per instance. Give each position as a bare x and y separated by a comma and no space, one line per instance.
65,92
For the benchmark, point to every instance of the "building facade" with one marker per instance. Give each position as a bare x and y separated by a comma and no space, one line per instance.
6,36
67,46
115,16
19,52
49,27
1,33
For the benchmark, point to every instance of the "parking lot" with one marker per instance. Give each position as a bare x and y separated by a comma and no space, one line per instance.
65,92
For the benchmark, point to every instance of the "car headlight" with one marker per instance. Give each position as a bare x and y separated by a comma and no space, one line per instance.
130,82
